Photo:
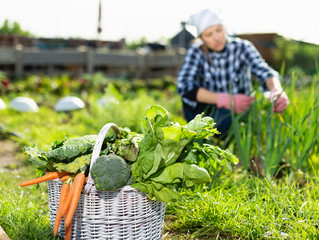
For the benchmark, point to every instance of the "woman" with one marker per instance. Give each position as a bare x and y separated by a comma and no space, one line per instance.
219,64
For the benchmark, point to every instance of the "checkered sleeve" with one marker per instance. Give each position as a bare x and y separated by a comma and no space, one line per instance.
257,64
187,84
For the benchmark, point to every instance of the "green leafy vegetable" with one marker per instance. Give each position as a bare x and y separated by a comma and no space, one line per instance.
62,152
158,162
155,191
173,156
182,171
79,164
126,144
59,143
37,157
72,148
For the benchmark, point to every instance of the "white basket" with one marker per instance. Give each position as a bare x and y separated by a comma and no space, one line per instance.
123,214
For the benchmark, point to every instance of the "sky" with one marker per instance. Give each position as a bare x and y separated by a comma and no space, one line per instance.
158,20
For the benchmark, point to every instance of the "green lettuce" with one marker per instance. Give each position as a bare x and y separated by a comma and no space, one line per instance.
172,156
126,144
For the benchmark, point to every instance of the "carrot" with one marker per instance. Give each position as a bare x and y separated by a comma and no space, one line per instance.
64,190
65,178
68,232
67,229
46,177
78,182
68,199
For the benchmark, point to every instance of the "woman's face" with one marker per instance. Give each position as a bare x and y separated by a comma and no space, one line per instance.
214,37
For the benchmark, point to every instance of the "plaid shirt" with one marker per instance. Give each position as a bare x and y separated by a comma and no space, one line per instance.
233,65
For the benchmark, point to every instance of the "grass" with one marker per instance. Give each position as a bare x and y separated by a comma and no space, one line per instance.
248,208
46,126
276,139
239,206
24,213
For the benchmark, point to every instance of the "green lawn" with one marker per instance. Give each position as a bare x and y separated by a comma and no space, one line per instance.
238,206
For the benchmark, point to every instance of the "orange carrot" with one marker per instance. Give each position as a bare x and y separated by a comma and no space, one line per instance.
68,232
78,182
68,199
65,178
46,177
67,229
64,191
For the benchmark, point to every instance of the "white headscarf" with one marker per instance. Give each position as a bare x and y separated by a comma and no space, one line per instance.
205,19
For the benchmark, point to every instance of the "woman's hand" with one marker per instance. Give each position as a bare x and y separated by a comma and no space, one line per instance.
240,102
280,99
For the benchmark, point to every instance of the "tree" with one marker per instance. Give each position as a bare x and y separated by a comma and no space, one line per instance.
13,29
297,55
136,44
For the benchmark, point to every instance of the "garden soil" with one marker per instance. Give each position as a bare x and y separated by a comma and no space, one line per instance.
3,235
10,154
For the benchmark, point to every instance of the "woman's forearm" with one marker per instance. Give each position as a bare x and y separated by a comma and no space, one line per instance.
205,96
273,83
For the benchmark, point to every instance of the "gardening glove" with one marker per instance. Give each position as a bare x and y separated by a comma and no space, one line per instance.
280,99
240,102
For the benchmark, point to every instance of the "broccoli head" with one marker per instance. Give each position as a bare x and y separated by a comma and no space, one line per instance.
110,172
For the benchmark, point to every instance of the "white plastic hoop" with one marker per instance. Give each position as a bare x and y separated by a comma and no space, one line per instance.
96,151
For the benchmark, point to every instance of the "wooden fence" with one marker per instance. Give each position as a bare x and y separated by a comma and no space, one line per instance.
21,62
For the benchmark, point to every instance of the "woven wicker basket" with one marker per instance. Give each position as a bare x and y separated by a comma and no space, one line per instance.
123,214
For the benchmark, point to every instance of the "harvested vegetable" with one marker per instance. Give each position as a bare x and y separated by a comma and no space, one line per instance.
72,148
78,185
65,178
81,162
126,144
63,193
110,172
68,199
47,177
68,232
172,156
61,152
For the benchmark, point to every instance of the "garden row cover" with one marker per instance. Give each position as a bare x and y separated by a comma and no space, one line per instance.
2,104
65,104
25,104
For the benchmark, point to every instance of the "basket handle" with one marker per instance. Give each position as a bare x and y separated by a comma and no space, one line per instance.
97,149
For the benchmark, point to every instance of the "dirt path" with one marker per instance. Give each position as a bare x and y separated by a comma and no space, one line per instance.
9,153
3,235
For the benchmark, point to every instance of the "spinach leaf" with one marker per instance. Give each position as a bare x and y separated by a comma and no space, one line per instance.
179,172
154,192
